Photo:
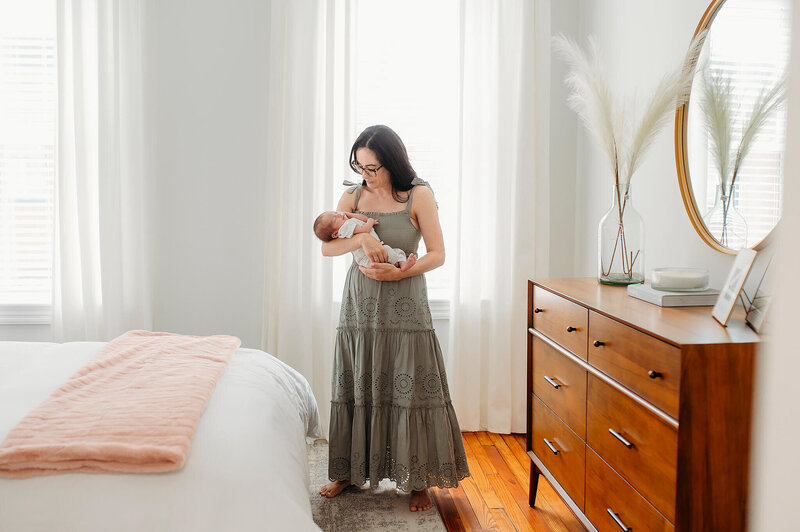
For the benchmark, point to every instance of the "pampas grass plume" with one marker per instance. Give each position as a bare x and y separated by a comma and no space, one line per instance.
590,97
717,106
606,119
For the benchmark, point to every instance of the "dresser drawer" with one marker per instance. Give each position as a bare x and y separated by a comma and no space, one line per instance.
638,361
645,448
607,493
561,320
561,384
567,458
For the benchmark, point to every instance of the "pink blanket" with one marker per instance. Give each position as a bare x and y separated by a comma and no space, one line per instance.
133,409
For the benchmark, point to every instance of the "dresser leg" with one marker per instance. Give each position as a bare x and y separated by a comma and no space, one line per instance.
534,485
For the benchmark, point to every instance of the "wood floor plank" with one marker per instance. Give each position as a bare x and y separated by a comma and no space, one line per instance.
465,510
478,450
518,451
518,518
502,522
448,511
518,493
520,454
479,506
500,465
479,477
522,473
484,438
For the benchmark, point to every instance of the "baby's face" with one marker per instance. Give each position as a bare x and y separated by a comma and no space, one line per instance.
336,219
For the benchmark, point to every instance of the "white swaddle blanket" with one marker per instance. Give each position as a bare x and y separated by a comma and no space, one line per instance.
346,231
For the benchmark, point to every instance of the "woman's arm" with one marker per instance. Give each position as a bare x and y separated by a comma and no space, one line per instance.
427,215
340,246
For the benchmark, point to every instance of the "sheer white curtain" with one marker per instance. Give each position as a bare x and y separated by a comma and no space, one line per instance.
493,255
299,313
494,252
101,273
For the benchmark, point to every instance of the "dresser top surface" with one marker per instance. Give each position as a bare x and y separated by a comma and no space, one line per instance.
677,325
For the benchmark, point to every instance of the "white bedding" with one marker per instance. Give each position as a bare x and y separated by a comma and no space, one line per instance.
247,468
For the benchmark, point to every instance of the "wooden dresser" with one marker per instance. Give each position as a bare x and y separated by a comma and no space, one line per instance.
638,415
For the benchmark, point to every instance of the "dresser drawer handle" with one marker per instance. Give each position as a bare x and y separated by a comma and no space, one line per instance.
598,343
571,329
654,374
547,442
537,310
615,517
553,383
618,436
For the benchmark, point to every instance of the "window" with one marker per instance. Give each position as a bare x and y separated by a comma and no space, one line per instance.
405,75
27,158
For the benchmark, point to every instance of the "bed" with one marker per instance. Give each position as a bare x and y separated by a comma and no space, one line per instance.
247,468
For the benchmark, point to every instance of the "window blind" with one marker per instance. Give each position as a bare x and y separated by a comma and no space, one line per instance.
754,63
27,156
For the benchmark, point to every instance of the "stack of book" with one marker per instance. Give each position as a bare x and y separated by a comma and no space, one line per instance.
704,298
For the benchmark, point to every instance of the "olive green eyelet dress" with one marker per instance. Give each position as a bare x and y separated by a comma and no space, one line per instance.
391,415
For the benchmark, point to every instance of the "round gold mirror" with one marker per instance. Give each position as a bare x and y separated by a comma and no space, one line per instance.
730,136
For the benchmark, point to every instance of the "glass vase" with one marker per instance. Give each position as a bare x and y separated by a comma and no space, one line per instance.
620,238
724,222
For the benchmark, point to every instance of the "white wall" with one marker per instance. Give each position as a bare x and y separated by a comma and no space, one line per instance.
206,84
562,134
640,42
775,463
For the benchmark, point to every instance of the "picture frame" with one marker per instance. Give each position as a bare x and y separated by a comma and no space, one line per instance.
757,312
758,290
729,293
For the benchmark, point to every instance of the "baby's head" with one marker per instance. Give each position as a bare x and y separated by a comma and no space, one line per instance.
327,224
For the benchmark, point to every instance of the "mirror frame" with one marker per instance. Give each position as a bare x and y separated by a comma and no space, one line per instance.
682,158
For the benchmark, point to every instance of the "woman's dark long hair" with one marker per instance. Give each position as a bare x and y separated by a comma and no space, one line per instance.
391,154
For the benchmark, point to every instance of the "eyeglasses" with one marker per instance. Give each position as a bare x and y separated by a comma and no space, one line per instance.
369,171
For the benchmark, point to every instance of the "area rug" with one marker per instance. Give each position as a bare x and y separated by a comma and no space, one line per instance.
383,508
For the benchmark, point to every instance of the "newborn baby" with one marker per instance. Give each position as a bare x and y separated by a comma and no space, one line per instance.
331,224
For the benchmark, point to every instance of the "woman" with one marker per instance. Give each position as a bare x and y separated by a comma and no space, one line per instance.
391,415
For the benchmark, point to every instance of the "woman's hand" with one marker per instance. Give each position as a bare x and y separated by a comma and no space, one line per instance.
373,249
383,272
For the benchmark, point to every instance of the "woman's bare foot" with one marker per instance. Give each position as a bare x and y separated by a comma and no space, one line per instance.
332,489
408,263
420,501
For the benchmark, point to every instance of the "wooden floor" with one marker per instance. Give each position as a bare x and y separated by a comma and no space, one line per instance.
495,497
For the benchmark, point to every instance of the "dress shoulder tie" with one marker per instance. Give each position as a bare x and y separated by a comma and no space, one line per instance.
350,188
419,181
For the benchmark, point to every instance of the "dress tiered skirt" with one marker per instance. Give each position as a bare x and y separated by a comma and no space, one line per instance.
391,414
